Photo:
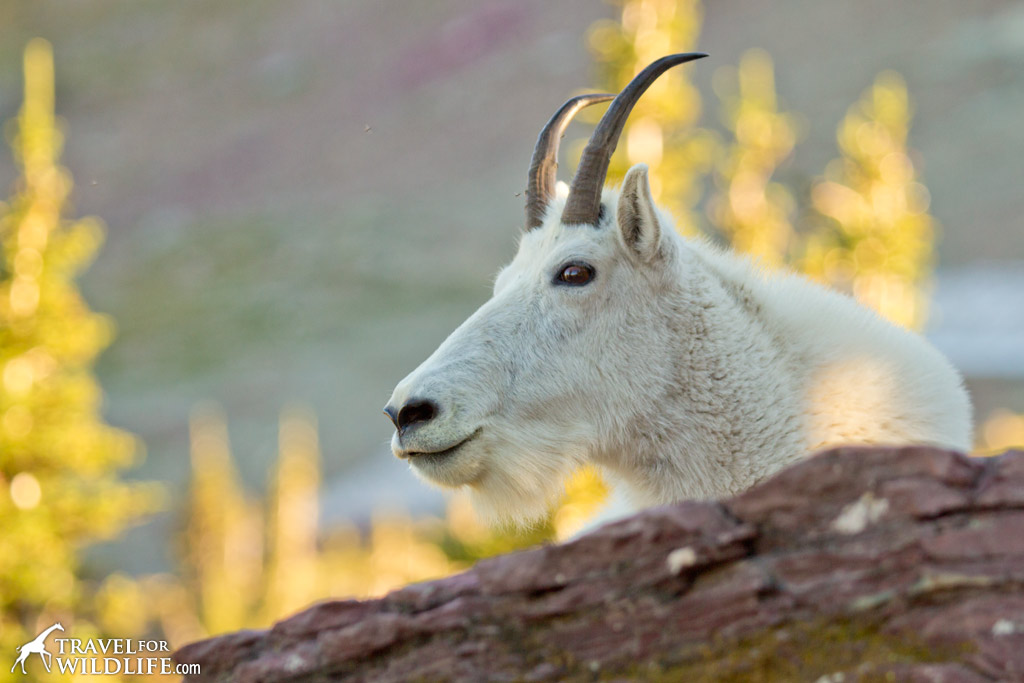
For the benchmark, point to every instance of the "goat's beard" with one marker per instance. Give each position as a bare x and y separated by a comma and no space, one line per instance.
525,478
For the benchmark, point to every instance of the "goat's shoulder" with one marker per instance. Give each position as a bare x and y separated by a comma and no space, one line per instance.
797,308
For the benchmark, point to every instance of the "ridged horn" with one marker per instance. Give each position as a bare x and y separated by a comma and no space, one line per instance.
584,202
540,188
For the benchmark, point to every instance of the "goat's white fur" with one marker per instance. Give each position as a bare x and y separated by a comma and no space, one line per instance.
682,371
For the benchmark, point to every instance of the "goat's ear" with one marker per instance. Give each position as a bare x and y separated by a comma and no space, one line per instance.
637,217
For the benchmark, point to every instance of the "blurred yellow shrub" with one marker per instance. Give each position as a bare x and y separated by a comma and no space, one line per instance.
753,212
877,239
1002,431
59,461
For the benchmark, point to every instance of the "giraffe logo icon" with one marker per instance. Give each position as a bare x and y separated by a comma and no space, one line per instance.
37,645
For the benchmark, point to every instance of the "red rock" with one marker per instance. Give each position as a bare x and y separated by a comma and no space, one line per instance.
855,565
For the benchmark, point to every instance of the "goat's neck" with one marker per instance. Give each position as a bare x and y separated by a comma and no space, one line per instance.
724,417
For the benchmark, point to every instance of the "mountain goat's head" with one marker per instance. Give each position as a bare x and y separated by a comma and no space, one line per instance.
572,347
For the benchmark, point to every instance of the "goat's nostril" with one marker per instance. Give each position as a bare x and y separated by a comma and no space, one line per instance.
416,410
392,414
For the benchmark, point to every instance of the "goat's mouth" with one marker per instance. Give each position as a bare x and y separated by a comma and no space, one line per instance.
432,457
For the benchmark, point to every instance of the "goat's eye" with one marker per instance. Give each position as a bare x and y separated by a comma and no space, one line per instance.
576,274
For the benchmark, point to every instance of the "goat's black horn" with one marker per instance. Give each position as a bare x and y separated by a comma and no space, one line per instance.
584,202
540,188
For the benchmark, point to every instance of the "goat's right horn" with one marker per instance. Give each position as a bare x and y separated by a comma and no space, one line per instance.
540,188
584,203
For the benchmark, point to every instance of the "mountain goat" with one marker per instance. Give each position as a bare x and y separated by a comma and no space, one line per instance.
680,370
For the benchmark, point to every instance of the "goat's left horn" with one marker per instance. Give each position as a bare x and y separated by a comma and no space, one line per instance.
540,187
584,203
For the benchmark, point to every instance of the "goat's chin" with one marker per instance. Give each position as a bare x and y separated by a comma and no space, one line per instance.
450,470
512,480
521,486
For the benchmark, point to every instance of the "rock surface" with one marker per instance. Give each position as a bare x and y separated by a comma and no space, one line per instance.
856,565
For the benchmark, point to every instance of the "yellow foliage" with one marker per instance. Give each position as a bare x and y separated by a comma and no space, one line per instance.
59,461
878,244
751,210
1002,431
585,493
224,534
293,568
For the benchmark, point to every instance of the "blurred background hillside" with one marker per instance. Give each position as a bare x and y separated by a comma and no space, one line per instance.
302,199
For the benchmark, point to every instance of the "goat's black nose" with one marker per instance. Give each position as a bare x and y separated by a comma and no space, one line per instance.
414,411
